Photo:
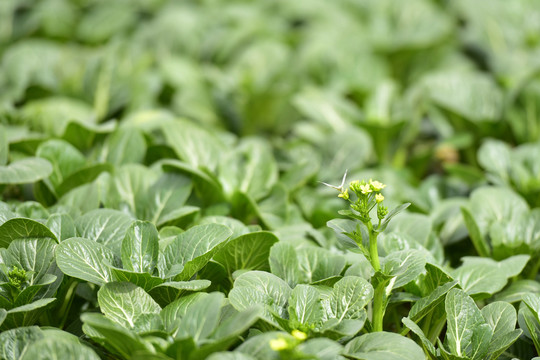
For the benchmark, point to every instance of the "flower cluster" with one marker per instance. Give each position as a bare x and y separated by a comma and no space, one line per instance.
368,195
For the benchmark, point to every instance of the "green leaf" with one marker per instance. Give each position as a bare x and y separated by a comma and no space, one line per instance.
467,334
25,315
517,290
423,306
324,349
305,307
82,176
259,346
201,318
125,145
169,291
485,276
478,240
3,314
63,156
21,228
140,247
13,343
404,265
175,311
247,252
473,95
194,144
123,302
230,356
27,170
319,264
383,345
496,205
502,318
495,157
284,263
349,297
104,226
164,199
85,259
58,347
115,337
390,215
258,287
250,169
426,344
143,280
62,226
194,248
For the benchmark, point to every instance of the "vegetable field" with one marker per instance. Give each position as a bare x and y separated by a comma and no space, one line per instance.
270,180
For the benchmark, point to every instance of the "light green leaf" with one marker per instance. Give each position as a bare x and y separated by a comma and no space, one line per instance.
140,247
62,226
349,297
82,176
426,344
116,337
248,252
258,287
383,345
194,144
85,259
123,302
472,95
405,266
259,346
175,311
27,170
201,318
13,343
104,226
322,348
305,307
25,315
319,264
164,198
467,334
284,263
502,318
169,291
391,214
21,228
250,169
194,248
143,280
125,145
58,347
222,355
423,306
63,156
495,157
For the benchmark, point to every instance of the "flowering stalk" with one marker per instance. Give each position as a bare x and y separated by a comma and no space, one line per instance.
368,196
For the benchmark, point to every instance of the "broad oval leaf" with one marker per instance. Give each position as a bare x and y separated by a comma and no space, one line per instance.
123,302
85,259
20,228
140,247
193,249
104,226
58,347
27,170
247,252
383,345
349,297
259,287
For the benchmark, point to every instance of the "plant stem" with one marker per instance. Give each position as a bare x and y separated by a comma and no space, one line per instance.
373,252
378,308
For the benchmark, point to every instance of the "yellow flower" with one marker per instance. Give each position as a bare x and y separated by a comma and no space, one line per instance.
299,335
344,194
379,198
278,344
376,185
365,189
